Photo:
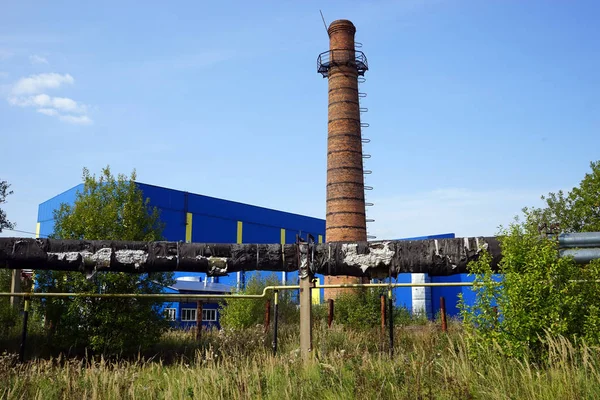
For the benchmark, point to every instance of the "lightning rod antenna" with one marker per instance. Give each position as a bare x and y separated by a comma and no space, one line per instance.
324,23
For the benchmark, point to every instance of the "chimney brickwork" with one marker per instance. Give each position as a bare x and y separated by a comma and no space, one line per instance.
345,216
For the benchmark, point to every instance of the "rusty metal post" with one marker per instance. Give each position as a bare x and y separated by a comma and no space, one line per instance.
24,331
267,315
330,313
382,314
199,319
345,218
275,319
443,314
391,321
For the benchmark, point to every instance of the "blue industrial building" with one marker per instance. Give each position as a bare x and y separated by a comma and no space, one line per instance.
192,217
196,218
182,314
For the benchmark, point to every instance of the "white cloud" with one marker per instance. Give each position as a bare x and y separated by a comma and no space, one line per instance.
28,92
76,120
466,212
44,101
48,111
35,59
64,103
38,83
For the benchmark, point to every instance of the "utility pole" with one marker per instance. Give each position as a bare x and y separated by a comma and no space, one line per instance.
306,254
15,287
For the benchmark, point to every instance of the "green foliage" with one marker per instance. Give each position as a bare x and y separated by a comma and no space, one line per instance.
5,279
541,294
359,309
320,312
576,211
9,316
244,313
4,192
109,208
481,318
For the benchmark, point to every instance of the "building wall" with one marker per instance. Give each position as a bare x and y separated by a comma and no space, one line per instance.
196,218
45,224
178,323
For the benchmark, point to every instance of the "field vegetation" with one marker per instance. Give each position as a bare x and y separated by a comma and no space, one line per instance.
348,363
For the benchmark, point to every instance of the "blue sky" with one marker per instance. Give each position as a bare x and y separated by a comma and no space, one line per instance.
476,108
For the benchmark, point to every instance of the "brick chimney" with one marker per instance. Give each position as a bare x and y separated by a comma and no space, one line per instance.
345,218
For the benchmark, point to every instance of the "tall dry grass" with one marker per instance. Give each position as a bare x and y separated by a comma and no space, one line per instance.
428,364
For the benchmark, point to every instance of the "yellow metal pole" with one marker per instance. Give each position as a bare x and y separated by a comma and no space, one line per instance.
176,297
275,321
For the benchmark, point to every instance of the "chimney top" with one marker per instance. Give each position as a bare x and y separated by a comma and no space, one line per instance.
341,25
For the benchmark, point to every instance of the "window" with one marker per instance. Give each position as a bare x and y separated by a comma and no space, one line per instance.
209,315
171,313
188,314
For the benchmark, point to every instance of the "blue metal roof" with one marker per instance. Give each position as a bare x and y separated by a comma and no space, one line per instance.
181,201
46,209
440,236
215,220
197,286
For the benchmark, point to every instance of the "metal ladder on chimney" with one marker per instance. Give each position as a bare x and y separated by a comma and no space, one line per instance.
363,110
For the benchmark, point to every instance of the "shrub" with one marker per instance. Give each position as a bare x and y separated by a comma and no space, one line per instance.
541,295
359,309
244,313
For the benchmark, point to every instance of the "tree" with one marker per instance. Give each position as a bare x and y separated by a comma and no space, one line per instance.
541,295
8,315
576,211
108,208
4,192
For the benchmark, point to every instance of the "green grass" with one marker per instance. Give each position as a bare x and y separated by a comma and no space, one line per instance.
428,364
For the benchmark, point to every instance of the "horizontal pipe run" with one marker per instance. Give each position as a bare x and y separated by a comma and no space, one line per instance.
580,239
158,296
179,297
437,257
366,259
581,256
394,285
